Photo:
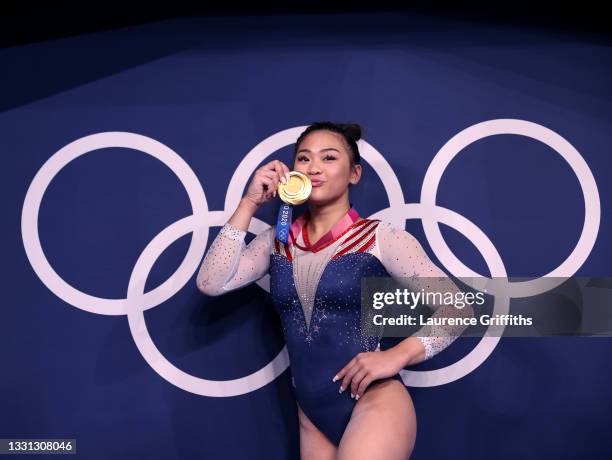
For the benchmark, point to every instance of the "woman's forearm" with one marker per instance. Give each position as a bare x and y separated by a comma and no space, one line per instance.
243,214
222,260
411,351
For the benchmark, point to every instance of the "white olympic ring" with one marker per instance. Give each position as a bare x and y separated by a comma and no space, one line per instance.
590,193
398,211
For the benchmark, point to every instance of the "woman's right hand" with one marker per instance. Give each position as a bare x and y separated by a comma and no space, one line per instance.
262,187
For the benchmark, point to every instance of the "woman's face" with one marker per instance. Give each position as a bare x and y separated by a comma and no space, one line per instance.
323,157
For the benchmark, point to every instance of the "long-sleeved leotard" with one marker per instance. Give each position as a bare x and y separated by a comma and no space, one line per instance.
317,295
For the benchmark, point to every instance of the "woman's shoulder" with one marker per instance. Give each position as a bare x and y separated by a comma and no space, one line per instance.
382,222
391,225
365,221
391,234
366,228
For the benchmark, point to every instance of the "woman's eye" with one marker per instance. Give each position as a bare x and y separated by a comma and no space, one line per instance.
327,157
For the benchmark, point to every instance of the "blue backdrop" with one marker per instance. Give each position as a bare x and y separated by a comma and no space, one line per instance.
211,90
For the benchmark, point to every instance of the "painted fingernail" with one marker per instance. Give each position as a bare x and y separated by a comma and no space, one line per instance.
284,179
340,390
287,176
356,396
335,378
352,395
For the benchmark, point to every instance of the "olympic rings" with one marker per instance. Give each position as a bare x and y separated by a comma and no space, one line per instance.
136,301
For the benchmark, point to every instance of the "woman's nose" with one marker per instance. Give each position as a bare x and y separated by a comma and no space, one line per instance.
313,168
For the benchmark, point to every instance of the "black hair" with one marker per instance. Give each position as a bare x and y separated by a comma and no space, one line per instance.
351,132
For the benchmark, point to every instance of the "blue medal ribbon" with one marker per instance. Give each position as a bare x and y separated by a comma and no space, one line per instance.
283,223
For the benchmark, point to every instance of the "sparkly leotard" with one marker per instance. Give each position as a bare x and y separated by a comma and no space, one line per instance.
317,293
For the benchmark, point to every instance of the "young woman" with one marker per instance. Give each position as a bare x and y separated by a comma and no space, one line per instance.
315,282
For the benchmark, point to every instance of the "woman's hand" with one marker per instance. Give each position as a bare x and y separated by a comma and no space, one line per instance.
263,185
366,367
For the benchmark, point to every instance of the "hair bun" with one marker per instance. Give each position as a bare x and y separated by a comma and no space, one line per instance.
353,130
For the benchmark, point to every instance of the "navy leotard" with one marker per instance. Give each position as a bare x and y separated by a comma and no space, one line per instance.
332,339
317,294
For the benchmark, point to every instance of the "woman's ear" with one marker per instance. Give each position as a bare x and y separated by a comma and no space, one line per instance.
356,174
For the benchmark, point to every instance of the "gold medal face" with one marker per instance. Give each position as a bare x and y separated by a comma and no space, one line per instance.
296,190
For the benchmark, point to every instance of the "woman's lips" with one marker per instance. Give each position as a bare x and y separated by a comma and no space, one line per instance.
317,183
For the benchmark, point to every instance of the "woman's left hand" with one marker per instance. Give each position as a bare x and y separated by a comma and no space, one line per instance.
368,366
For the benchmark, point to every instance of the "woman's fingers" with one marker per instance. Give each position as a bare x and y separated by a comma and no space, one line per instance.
346,382
365,382
271,174
343,371
280,169
269,188
285,171
356,381
272,180
263,187
355,375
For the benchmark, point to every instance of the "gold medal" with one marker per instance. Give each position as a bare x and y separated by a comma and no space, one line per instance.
296,190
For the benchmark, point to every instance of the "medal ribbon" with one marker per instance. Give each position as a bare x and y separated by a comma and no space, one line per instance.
283,222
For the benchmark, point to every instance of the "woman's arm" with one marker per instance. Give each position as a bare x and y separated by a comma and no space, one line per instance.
407,262
229,263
